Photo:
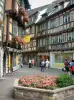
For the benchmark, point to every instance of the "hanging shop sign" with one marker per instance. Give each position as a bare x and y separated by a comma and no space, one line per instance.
27,38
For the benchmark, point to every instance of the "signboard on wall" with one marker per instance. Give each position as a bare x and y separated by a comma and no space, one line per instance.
27,38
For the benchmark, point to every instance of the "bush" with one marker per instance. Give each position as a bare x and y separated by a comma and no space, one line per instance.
64,80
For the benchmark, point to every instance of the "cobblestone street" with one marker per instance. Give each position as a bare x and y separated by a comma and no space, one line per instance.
7,82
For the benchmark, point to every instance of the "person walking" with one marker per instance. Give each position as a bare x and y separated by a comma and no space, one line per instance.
47,63
33,62
67,65
29,63
72,67
42,63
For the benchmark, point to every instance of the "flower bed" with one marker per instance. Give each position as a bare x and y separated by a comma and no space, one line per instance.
38,81
40,87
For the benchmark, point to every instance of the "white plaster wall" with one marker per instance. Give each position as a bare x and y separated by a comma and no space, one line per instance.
6,63
1,61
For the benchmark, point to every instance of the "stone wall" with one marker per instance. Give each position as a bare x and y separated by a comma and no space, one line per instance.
27,93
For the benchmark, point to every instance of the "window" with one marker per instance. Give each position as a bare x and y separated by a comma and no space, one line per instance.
27,30
56,23
66,18
32,29
59,38
71,2
43,41
71,15
34,43
19,31
18,1
50,40
73,36
61,20
64,37
1,16
15,27
70,36
52,25
47,41
48,24
40,42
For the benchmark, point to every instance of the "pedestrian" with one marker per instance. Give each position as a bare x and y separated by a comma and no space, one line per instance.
72,67
42,63
20,63
67,65
29,63
47,63
33,62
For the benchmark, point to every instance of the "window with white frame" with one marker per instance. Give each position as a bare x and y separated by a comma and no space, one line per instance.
73,36
56,23
64,37
40,42
27,30
61,20
48,24
71,2
43,42
71,15
32,29
50,40
70,36
59,38
66,18
19,31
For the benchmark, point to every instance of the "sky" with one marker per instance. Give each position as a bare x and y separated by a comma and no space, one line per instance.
38,3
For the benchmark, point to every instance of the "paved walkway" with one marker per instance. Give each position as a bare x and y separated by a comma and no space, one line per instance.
7,83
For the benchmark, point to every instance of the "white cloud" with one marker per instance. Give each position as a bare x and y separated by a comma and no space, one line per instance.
38,3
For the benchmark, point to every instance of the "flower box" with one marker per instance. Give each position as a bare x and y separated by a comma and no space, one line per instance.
41,92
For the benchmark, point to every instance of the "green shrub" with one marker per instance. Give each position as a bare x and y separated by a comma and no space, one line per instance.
64,80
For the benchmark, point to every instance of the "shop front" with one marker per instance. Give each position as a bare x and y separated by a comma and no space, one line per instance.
57,58
42,56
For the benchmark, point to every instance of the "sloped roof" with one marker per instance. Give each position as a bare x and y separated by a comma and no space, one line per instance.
33,11
49,9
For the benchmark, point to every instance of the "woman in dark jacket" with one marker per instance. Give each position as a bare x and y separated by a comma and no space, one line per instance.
67,64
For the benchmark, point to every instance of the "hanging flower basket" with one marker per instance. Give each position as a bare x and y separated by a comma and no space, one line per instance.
26,19
21,10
